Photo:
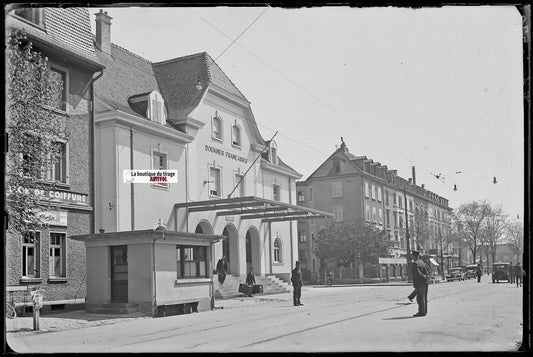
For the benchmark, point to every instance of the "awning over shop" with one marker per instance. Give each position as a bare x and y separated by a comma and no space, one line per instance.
252,207
433,261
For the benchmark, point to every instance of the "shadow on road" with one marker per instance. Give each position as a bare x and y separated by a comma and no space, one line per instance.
398,318
403,303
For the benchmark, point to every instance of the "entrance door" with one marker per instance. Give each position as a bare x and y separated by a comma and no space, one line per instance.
248,251
119,273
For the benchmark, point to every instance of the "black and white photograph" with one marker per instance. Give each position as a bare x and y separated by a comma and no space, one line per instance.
266,178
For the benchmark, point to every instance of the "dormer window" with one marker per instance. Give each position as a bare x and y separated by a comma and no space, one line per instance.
216,124
33,15
236,139
151,106
273,153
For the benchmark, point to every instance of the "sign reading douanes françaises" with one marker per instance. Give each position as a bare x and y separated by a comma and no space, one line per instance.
226,154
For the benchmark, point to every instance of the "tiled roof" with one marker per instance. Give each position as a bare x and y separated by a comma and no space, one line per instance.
126,75
66,28
178,77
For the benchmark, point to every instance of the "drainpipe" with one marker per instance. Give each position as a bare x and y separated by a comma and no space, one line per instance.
132,197
93,161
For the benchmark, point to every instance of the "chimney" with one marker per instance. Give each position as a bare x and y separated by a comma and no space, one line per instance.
103,31
422,186
414,175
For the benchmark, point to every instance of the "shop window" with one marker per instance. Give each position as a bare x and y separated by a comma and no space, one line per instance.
159,162
214,182
236,139
277,250
58,171
275,192
33,15
191,261
30,254
57,258
216,124
59,99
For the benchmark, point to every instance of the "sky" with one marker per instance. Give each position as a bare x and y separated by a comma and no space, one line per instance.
435,88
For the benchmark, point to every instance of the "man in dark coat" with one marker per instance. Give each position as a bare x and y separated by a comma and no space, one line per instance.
296,279
222,267
478,273
511,272
518,272
420,283
250,278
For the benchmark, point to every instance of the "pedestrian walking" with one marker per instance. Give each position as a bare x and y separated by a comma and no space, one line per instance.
518,272
420,283
511,273
412,295
222,268
296,279
478,273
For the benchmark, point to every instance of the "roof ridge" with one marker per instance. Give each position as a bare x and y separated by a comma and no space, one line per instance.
131,53
224,73
178,58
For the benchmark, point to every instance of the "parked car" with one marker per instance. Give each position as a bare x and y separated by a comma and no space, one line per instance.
500,271
455,274
471,271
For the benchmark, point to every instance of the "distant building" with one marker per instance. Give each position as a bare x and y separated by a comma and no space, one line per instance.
49,260
357,189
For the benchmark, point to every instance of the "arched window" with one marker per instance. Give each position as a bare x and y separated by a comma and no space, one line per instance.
277,250
217,127
236,135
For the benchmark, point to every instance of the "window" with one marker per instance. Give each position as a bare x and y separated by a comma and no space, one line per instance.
400,202
214,182
191,261
216,124
236,135
386,197
277,250
374,216
57,260
275,192
366,190
239,180
395,217
301,196
59,100
336,188
379,194
367,210
338,213
394,199
410,205
380,216
336,166
159,162
401,221
310,193
59,168
156,111
373,192
303,237
273,152
30,254
34,15
387,217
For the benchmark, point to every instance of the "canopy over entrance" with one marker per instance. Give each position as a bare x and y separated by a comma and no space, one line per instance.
252,207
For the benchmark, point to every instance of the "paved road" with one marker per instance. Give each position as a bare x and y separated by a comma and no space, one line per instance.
462,316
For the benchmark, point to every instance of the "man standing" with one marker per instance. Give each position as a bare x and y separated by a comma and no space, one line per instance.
518,272
222,267
478,273
420,283
296,279
511,273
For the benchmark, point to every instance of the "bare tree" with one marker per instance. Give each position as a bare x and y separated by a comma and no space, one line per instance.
515,237
470,218
493,230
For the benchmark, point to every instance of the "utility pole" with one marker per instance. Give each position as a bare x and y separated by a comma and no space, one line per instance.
407,239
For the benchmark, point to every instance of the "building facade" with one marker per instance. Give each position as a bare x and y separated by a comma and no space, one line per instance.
49,260
186,115
359,190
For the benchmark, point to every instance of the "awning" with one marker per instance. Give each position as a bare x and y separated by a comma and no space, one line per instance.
433,262
252,207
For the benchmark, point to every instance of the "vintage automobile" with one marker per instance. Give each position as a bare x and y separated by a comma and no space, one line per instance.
471,271
455,274
500,271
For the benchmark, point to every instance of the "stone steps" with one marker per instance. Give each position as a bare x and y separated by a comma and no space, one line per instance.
271,285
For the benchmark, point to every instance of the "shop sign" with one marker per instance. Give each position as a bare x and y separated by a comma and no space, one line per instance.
54,218
71,198
226,154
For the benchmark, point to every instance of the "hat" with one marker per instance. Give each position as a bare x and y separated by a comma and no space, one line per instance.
297,263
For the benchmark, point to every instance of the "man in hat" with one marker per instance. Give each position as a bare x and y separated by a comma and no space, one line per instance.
296,279
420,283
